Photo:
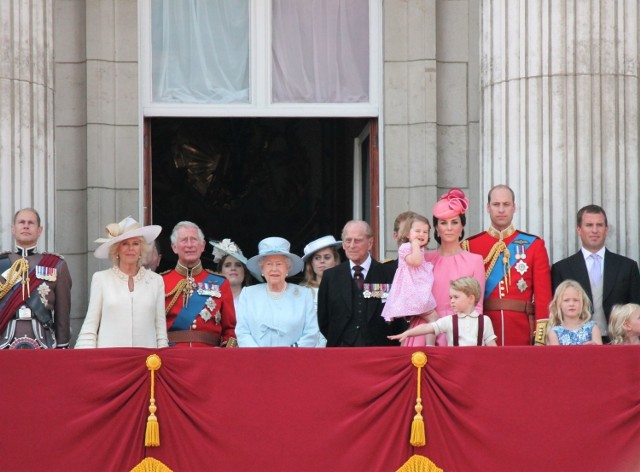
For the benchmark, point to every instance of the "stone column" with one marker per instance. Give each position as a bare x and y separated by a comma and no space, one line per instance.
559,120
26,113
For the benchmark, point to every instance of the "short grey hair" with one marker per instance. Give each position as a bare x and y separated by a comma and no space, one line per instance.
185,224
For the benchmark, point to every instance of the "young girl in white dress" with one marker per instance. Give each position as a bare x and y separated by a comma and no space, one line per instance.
410,294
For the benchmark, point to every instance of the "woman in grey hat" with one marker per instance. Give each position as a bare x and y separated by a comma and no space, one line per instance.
276,313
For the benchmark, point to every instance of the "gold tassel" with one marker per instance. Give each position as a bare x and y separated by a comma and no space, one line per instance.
149,464
418,463
152,434
418,437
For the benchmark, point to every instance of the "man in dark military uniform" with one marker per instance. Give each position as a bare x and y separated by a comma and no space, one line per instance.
199,303
35,291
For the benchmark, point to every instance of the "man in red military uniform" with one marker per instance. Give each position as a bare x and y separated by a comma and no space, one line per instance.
518,277
199,303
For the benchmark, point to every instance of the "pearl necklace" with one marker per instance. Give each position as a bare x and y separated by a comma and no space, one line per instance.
276,295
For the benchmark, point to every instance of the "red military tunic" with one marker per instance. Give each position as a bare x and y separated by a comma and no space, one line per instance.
523,278
216,313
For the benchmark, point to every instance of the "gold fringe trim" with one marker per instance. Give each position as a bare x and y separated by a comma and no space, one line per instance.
152,434
418,437
418,463
18,272
149,464
499,248
178,290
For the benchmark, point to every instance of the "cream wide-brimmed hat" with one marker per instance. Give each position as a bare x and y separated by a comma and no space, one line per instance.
126,229
275,246
320,243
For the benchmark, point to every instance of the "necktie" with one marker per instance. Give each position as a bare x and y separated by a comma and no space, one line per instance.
595,273
357,276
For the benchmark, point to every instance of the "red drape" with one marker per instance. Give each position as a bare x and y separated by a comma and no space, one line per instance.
500,409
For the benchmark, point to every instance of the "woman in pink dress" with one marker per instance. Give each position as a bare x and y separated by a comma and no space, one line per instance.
450,261
410,294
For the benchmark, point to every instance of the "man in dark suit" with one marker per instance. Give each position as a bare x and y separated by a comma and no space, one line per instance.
352,294
607,277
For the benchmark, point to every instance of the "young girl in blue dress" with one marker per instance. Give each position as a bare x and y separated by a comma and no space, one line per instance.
570,317
410,294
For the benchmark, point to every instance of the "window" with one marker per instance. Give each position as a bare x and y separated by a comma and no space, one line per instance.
260,58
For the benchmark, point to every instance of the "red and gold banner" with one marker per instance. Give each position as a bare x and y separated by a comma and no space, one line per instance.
499,409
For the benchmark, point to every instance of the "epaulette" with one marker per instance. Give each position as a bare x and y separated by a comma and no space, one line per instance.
471,238
213,272
165,272
53,254
528,234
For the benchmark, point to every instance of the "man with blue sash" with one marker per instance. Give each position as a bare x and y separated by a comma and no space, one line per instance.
35,291
199,303
518,277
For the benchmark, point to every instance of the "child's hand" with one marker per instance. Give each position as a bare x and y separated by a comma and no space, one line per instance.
398,337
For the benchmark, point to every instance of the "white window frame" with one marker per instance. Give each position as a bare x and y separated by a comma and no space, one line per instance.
261,104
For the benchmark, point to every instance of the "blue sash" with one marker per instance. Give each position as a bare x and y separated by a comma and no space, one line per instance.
498,270
194,306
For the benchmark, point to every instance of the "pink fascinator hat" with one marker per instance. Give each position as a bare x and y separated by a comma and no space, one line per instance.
452,203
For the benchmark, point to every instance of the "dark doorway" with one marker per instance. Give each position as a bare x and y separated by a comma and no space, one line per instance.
249,178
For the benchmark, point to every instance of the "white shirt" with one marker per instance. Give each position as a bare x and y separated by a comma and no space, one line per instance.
467,329
589,260
366,265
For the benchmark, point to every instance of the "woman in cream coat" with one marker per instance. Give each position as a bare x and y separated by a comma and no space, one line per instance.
126,306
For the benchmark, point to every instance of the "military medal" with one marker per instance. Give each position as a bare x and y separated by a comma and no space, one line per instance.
43,291
209,290
217,318
367,293
205,315
211,304
46,273
521,267
522,285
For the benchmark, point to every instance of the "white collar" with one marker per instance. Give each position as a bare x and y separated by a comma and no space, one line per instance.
365,265
586,253
473,314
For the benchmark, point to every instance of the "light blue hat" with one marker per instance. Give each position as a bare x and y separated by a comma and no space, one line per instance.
275,246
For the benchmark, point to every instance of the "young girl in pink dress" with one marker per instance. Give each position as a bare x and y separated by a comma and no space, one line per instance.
410,294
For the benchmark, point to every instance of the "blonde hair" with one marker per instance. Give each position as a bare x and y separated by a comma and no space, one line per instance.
555,312
467,285
145,250
620,314
405,227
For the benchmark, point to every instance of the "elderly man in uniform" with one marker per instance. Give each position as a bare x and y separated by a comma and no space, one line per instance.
518,278
35,291
199,302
